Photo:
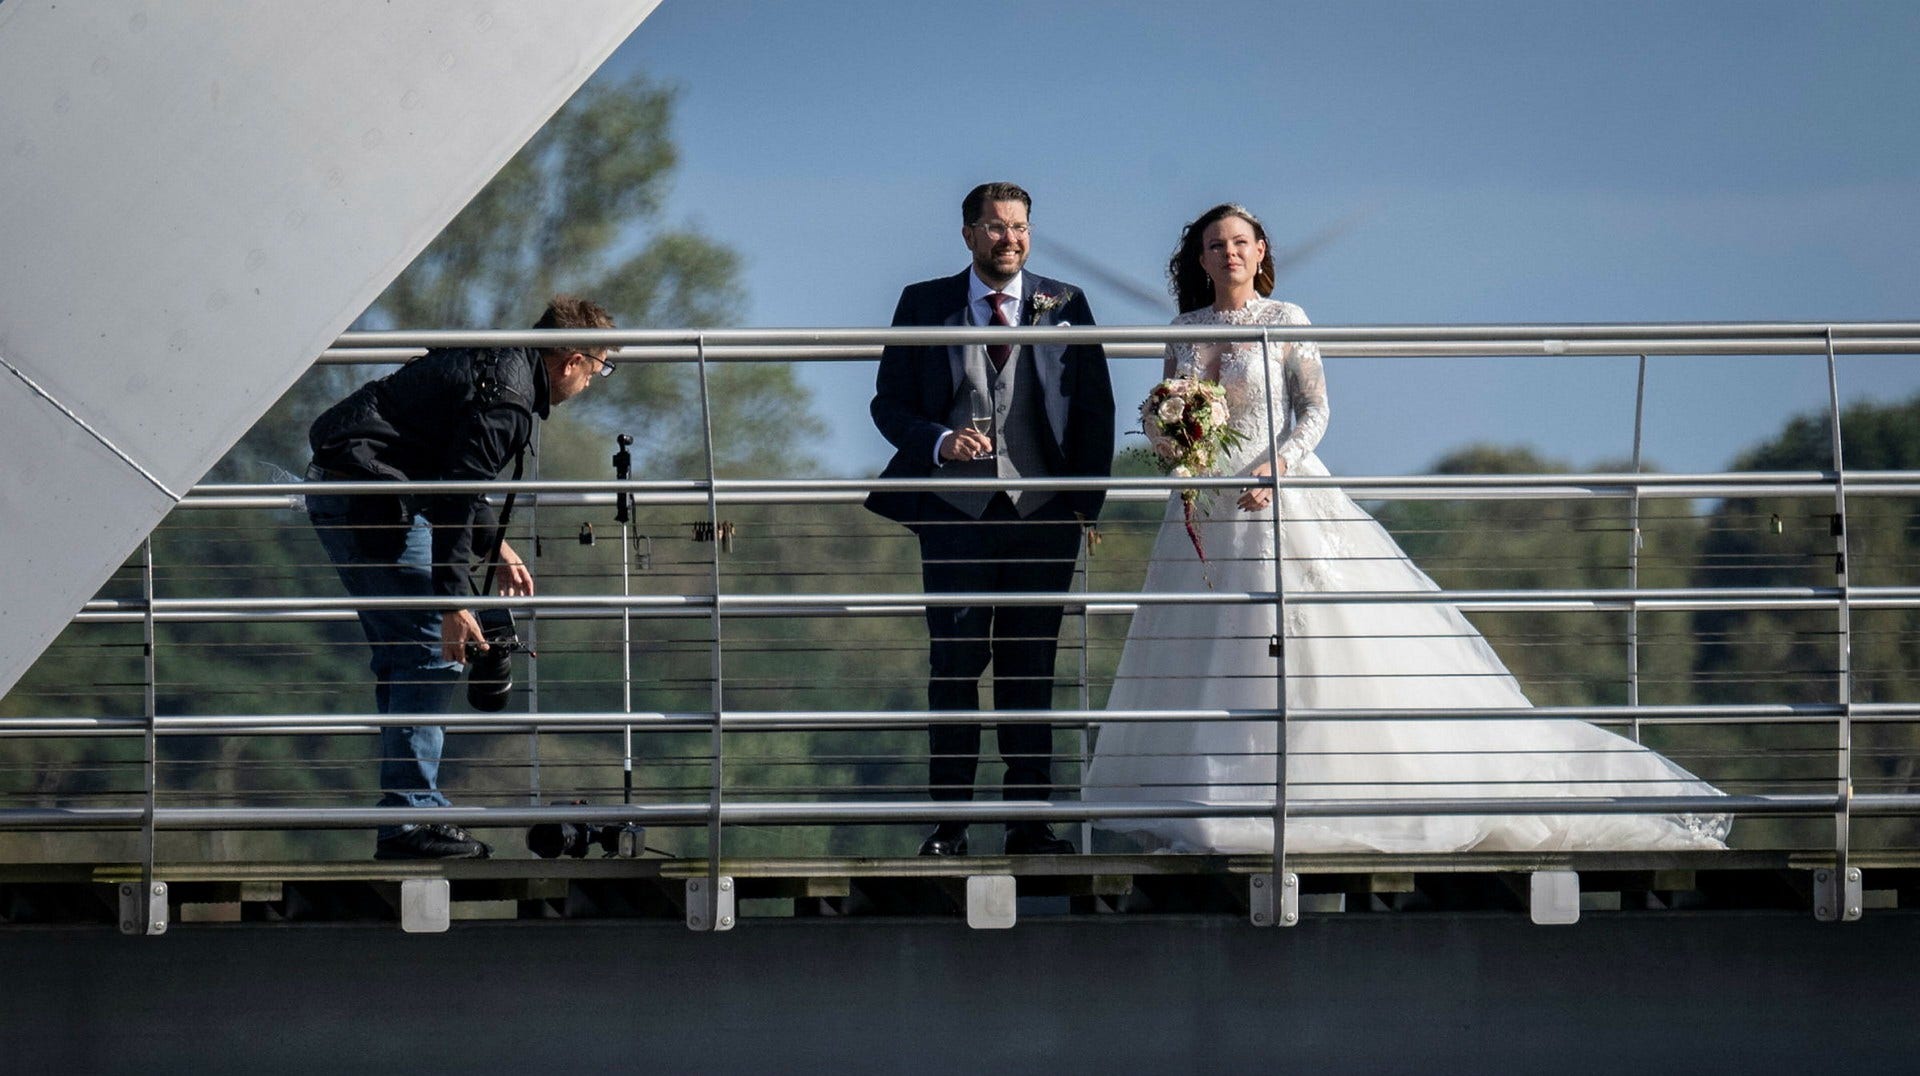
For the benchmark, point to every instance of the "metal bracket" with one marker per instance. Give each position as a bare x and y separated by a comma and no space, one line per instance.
632,843
1554,897
702,911
1265,910
426,905
991,901
143,909
1836,895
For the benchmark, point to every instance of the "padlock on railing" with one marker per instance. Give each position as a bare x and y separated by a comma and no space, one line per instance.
704,531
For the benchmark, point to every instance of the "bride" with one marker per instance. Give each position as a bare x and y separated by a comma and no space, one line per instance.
1361,656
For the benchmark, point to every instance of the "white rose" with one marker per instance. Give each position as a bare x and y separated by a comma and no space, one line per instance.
1183,471
1172,409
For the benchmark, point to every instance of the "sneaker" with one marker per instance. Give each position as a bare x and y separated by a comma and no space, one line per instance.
431,842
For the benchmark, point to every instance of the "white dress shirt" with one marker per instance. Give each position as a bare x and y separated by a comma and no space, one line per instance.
980,310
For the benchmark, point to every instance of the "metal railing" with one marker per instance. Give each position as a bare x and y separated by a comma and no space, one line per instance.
707,591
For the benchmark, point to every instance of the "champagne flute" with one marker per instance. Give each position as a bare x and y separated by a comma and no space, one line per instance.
980,420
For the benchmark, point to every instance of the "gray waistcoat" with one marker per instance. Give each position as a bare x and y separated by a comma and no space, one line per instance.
1019,420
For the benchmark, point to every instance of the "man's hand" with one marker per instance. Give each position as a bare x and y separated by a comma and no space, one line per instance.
965,445
513,579
458,628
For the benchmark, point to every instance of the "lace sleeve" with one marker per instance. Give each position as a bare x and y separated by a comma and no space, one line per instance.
1306,385
1178,361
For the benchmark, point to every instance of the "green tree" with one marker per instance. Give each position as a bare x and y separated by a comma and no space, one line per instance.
1561,658
1772,655
1778,541
579,209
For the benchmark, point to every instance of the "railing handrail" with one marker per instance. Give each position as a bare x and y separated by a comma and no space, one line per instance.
816,720
1556,485
1548,333
725,805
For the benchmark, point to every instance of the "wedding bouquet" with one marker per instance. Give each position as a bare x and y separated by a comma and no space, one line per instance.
1185,421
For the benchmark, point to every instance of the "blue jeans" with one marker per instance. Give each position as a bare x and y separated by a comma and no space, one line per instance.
381,551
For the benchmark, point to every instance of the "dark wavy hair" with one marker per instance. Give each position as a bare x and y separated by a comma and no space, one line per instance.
1189,283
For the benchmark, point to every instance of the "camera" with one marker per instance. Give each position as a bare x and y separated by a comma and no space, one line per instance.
551,840
490,671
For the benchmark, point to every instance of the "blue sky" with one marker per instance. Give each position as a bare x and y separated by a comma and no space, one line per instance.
1495,162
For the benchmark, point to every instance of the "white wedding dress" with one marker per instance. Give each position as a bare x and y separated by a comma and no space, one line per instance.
1391,657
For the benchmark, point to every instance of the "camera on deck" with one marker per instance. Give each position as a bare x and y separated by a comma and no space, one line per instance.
490,671
551,840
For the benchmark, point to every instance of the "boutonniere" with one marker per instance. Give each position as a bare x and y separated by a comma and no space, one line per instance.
1045,302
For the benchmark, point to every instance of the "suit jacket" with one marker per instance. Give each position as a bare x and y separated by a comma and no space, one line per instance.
915,390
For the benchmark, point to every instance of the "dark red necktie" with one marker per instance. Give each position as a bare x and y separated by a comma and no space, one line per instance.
999,353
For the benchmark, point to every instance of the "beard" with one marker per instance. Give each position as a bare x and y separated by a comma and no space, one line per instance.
993,266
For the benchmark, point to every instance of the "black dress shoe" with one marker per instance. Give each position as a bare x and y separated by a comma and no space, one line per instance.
431,842
946,841
1036,839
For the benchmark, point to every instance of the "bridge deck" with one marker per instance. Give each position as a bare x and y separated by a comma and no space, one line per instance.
654,887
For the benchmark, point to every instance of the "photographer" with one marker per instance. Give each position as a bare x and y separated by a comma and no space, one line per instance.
454,414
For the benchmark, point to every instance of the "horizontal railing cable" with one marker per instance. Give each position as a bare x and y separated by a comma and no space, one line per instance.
1752,659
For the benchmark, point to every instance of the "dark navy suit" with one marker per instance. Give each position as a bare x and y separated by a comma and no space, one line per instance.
1002,550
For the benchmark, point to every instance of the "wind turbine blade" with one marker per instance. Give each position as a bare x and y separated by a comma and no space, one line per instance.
1133,290
1291,259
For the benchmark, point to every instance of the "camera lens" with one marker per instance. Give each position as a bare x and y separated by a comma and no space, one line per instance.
490,671
551,840
489,678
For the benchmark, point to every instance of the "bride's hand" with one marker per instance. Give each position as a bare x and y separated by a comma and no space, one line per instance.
1260,496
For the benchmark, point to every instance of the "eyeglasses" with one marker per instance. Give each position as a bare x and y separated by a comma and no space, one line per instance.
997,230
606,368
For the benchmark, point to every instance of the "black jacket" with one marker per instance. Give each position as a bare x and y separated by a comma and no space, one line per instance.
913,393
455,414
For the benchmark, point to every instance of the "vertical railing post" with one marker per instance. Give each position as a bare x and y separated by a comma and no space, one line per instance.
1085,681
533,635
1633,554
143,905
710,907
1279,905
1836,893
624,510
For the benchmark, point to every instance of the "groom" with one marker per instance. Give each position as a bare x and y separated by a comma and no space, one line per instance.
994,411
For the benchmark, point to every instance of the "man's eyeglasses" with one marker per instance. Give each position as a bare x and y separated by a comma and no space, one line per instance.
606,368
997,230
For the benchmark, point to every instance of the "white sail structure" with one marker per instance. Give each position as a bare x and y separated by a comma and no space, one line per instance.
196,197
